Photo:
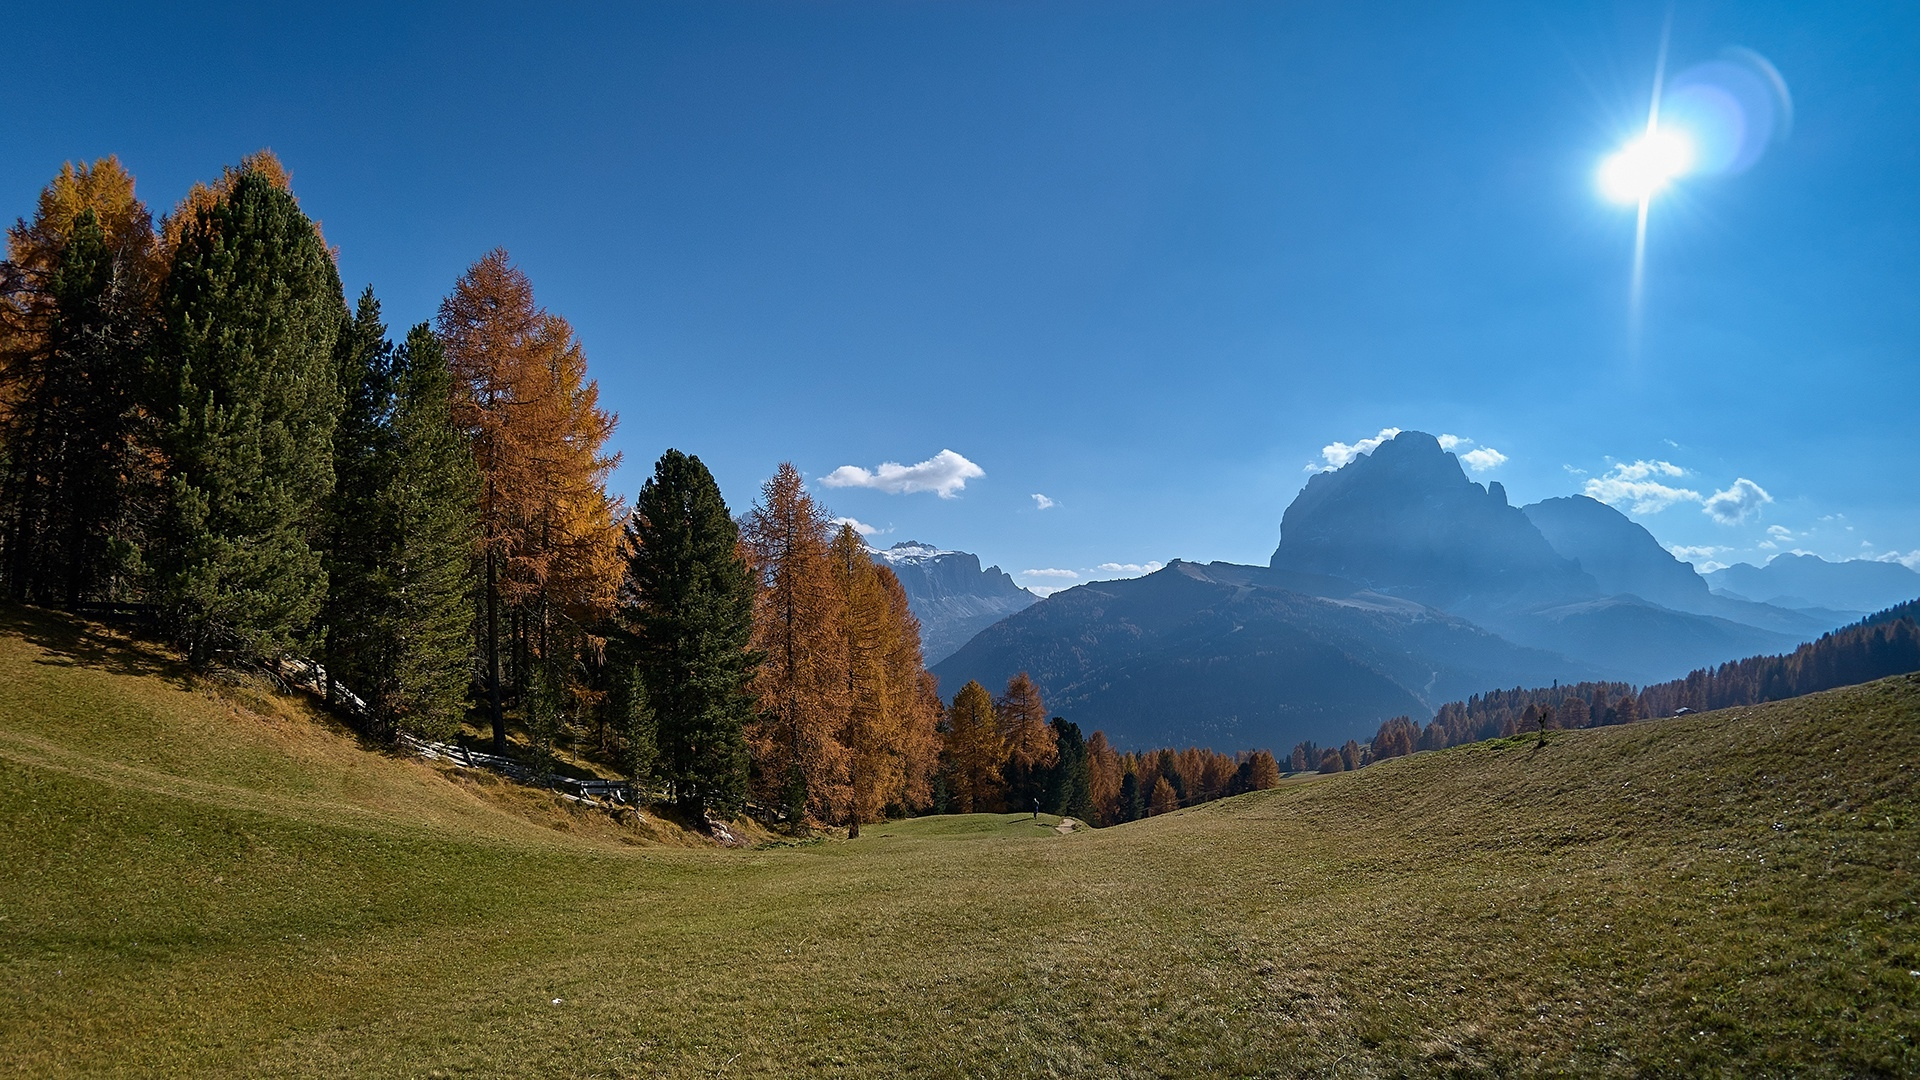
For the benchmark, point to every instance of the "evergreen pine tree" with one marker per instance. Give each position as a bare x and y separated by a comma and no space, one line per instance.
248,396
686,605
359,534
429,500
1069,787
76,304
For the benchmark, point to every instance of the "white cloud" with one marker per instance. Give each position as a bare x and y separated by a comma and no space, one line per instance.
1701,551
1710,566
1449,442
1339,453
1911,560
859,526
1779,532
1633,483
1483,459
1571,471
1041,502
1640,470
1130,568
1052,572
944,474
1737,503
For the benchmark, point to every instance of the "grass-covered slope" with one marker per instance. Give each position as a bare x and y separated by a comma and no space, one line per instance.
194,887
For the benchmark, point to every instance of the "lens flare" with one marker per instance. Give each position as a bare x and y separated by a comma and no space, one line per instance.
1646,165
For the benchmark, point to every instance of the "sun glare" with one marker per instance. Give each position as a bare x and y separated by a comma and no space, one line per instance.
1646,165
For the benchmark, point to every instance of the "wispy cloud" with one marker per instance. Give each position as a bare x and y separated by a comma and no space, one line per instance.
1911,560
859,526
1450,442
1779,532
945,474
1736,504
1634,484
1483,459
1041,502
1691,552
1130,569
1338,454
1052,573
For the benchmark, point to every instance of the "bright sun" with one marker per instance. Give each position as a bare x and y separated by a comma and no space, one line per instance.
1645,165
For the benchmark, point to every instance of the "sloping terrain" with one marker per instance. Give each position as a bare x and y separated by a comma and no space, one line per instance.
1727,894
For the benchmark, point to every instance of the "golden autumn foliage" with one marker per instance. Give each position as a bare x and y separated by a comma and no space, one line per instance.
1030,744
801,763
550,532
975,751
104,187
914,696
34,250
889,730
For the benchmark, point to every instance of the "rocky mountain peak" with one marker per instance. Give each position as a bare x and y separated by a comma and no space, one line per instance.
1406,520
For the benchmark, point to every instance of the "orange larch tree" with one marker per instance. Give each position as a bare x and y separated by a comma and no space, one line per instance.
974,752
800,760
1031,748
550,532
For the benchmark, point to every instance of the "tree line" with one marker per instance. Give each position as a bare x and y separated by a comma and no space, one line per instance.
194,420
1887,643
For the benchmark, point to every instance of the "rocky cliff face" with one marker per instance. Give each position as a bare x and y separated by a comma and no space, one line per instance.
1405,520
951,595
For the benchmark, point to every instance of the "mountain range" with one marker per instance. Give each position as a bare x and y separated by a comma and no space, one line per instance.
1850,588
950,594
1398,584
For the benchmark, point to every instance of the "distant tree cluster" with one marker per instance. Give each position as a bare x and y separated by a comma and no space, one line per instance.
1884,644
1130,786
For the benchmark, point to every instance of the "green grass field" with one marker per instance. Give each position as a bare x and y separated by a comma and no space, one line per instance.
204,880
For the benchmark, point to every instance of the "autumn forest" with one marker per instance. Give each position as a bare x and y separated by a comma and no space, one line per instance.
199,432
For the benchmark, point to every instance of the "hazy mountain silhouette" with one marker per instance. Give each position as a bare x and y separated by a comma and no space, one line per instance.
1396,579
1235,656
1808,581
1406,521
951,595
1626,561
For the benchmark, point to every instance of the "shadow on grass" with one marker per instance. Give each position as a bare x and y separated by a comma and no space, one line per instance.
72,642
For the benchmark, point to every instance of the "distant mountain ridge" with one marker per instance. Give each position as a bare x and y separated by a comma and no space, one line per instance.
1395,577
951,595
1803,581
1234,656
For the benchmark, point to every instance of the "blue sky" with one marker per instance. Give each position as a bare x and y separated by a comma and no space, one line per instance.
1146,260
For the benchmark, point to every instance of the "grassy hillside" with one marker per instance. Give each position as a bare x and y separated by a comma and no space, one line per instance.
207,882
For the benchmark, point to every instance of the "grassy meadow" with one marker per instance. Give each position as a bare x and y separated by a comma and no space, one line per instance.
211,880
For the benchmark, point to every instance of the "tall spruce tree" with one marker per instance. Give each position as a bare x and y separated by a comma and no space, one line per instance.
359,534
687,608
247,395
1069,786
429,499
